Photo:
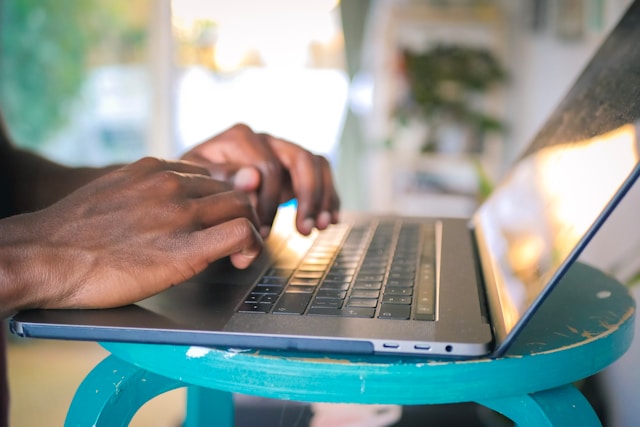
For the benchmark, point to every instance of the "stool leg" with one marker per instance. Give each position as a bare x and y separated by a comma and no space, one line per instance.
208,407
561,406
112,393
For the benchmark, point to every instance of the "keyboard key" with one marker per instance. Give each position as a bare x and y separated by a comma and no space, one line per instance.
267,289
326,303
273,281
362,293
404,275
395,299
331,294
363,302
395,311
394,283
346,312
367,285
370,278
279,272
292,303
342,271
313,267
302,281
301,289
398,291
336,286
376,270
251,307
252,297
338,277
309,274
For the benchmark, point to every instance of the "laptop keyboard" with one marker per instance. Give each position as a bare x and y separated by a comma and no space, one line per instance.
384,270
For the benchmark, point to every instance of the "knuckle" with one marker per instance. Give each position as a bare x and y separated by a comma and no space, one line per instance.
244,227
271,168
149,162
304,159
241,234
241,201
322,160
240,129
169,180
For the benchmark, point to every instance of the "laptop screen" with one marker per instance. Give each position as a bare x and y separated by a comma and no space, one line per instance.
561,189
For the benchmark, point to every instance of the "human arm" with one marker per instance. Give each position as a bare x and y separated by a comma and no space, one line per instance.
37,182
123,237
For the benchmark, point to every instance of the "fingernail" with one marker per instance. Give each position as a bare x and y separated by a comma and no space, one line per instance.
307,225
265,230
324,219
244,179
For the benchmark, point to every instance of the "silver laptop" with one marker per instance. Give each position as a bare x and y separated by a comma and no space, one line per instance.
413,286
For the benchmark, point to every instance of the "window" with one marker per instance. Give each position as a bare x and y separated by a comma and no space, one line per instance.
94,82
74,79
277,66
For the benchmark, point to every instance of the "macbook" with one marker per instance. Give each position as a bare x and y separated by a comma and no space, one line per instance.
416,286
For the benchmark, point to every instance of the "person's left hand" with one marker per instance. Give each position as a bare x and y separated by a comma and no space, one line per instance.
272,171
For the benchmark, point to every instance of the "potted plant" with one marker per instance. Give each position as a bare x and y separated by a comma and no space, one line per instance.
446,86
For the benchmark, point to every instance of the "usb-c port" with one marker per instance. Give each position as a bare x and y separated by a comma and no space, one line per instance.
390,345
422,347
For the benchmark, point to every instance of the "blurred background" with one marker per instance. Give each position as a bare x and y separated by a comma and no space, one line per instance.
419,105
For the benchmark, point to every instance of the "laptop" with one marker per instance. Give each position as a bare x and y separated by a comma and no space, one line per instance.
425,287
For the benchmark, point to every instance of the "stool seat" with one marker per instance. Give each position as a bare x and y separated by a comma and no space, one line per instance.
584,326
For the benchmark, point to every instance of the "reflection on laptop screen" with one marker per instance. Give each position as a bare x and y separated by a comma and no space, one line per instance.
546,206
555,195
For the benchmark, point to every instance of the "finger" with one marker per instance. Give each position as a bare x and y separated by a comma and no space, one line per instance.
223,171
196,186
223,207
250,150
247,179
237,238
308,185
307,181
271,182
330,205
148,164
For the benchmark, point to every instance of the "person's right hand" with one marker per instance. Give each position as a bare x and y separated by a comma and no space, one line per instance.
124,237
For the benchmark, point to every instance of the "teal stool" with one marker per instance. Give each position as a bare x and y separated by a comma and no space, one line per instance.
582,328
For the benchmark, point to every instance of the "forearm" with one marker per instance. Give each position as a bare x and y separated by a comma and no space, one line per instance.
33,182
37,182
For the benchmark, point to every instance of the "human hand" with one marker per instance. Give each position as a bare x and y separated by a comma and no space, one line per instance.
126,236
272,171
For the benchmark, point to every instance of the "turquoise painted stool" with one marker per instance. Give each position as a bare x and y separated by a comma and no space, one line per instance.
582,328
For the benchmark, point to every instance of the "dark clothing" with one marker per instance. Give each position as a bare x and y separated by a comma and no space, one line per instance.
5,210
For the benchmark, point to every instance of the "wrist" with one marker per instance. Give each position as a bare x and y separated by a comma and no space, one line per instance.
23,261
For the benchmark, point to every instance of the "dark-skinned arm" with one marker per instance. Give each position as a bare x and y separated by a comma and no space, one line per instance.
37,182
